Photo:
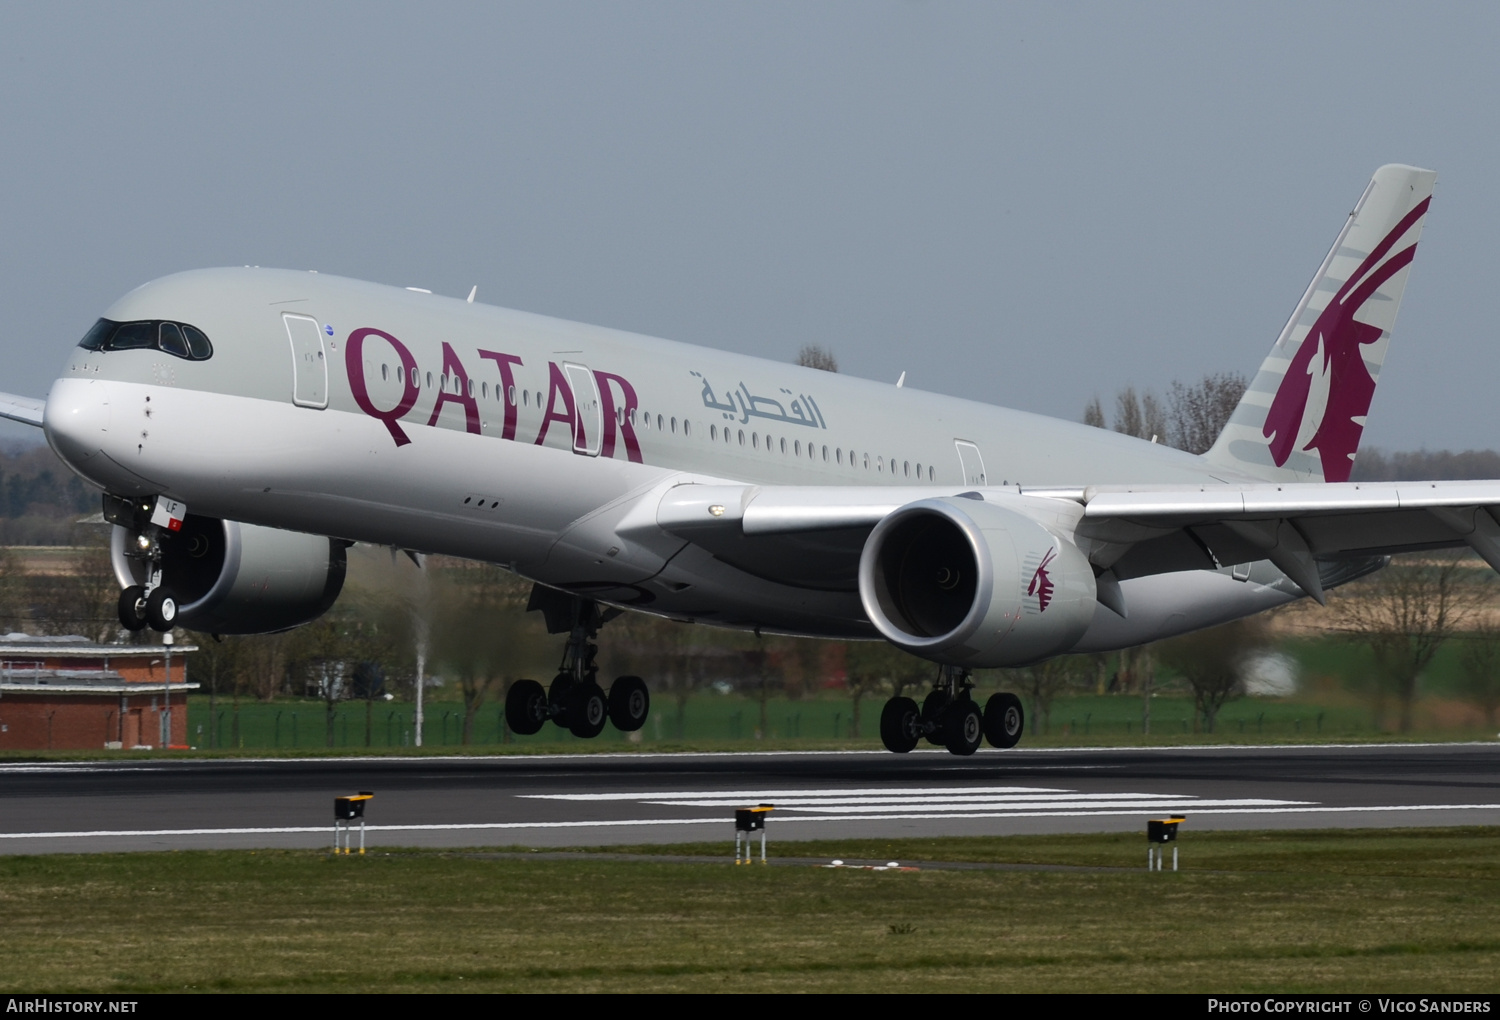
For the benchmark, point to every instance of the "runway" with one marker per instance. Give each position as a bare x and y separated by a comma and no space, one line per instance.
598,799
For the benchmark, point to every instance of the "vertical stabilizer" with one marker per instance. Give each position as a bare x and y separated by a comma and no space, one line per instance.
1302,416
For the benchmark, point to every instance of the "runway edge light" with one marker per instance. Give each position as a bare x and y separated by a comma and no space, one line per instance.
750,820
1161,831
345,810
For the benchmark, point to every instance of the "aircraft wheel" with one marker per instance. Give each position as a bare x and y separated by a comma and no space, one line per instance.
560,698
900,725
161,610
588,712
1004,720
964,729
133,608
525,707
629,703
933,708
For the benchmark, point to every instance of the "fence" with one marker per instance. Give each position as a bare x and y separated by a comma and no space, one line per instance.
731,719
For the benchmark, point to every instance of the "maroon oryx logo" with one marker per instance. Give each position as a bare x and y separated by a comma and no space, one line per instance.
1041,583
1332,347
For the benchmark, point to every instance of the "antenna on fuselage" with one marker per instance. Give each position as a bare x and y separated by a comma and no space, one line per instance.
472,292
902,381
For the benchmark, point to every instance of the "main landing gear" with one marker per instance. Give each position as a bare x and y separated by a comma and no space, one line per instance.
575,701
152,604
949,717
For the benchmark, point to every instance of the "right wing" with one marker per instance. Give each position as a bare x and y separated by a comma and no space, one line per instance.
812,536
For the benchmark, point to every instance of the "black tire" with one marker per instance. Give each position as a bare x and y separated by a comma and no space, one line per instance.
589,711
525,707
629,703
1004,720
133,608
161,610
560,698
964,728
934,706
900,725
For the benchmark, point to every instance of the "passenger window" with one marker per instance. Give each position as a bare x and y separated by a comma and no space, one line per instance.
171,340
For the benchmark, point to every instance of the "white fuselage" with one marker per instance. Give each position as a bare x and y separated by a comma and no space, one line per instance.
388,416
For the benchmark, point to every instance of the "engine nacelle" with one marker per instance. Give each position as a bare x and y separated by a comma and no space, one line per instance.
970,583
232,578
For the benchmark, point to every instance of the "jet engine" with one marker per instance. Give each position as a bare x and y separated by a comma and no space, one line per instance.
232,578
966,582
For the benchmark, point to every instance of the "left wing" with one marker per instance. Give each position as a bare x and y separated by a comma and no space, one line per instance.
812,536
27,410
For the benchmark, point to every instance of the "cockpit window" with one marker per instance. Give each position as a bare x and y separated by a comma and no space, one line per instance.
95,337
175,338
171,340
198,343
133,336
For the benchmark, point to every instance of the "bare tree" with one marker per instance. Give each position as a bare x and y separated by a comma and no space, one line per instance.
1481,665
1041,684
1211,661
1375,465
1128,417
821,358
1093,413
1140,415
877,667
1198,413
1404,614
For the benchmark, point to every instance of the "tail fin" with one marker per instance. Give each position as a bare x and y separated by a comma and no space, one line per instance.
1302,417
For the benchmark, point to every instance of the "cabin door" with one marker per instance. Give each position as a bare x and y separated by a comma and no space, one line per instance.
971,463
588,410
309,365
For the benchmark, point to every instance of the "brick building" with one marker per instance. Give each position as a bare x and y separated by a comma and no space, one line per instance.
69,693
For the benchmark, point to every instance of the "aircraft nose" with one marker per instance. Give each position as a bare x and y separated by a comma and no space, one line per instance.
77,418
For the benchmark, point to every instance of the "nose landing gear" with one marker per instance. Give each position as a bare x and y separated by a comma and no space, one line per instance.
575,701
151,604
949,717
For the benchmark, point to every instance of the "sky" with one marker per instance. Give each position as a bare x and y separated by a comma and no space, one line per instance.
1023,204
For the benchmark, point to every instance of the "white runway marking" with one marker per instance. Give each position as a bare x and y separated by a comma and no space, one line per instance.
933,802
721,820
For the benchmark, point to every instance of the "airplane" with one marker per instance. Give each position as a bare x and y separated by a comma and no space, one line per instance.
247,425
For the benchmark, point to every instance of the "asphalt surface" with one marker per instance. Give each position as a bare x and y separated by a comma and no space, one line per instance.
598,799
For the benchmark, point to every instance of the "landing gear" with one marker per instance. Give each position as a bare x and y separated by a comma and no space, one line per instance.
900,725
161,609
629,703
1004,720
149,522
948,717
133,608
575,701
526,707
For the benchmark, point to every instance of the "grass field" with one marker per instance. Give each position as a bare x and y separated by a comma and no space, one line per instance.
727,722
1357,911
